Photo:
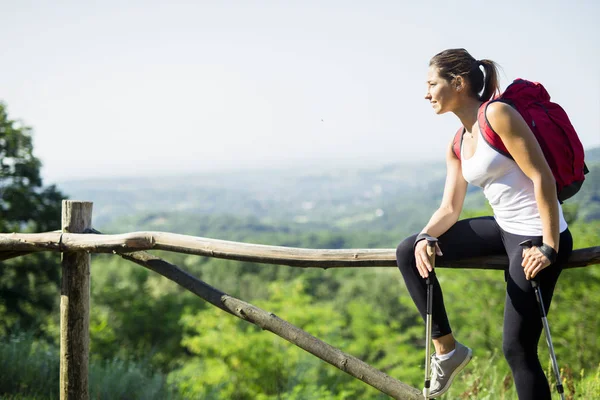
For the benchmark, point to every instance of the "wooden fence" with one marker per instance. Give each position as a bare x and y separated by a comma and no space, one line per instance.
77,240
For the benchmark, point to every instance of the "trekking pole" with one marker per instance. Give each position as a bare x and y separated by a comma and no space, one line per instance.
538,295
431,242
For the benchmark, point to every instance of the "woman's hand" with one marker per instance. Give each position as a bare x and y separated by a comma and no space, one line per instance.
422,258
533,262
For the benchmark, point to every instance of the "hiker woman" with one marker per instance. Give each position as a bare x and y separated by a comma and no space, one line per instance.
522,194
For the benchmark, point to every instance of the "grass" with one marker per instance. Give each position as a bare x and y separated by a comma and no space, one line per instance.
29,370
490,379
28,367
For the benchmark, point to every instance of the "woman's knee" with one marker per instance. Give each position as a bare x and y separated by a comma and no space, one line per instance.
405,252
512,349
516,352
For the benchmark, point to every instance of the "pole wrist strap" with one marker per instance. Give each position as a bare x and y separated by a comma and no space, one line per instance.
422,236
548,252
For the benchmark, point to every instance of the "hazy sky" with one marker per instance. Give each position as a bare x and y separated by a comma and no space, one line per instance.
140,87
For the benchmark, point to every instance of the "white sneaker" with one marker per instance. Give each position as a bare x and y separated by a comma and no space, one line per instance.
444,371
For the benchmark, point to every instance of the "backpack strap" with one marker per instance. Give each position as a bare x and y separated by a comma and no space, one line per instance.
457,142
488,133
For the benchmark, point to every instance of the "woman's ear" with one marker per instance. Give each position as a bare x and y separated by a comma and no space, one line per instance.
458,83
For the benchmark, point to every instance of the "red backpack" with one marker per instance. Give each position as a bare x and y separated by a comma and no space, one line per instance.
551,126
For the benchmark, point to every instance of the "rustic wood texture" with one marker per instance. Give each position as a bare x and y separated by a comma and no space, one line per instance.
269,321
75,307
17,244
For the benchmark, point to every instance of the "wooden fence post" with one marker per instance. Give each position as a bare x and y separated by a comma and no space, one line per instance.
75,306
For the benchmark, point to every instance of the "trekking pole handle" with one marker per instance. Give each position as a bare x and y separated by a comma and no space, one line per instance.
527,244
431,243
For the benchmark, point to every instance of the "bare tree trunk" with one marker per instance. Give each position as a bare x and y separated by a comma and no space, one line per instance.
75,307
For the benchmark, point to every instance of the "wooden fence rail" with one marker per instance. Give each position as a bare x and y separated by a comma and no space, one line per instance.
16,244
75,248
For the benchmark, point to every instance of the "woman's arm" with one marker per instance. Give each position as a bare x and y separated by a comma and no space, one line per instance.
525,150
455,190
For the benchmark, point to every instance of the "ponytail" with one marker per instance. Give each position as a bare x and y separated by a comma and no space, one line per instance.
491,86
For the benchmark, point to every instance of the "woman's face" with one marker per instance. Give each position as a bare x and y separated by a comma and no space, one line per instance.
440,93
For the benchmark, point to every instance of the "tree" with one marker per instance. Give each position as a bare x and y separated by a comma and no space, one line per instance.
29,285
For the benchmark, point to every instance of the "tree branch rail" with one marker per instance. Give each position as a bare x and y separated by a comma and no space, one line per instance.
17,244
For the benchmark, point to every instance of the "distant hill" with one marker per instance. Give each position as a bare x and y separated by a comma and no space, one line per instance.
330,197
381,198
592,155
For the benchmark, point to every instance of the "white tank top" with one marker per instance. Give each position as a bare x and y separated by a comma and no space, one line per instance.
508,190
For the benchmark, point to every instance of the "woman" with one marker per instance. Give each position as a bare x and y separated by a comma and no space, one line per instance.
522,194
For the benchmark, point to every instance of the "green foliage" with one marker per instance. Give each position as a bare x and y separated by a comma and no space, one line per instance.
28,285
374,319
26,203
574,307
30,370
118,379
234,359
136,313
139,316
28,366
488,378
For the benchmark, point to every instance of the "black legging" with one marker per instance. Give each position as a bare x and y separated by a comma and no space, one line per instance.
522,323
